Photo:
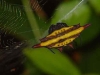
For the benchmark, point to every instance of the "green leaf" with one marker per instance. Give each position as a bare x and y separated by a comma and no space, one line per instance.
96,5
90,33
55,64
80,15
32,21
91,61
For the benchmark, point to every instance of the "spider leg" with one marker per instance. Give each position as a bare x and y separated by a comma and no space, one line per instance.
71,45
60,49
51,50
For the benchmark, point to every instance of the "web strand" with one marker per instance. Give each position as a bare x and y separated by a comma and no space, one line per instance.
65,16
14,14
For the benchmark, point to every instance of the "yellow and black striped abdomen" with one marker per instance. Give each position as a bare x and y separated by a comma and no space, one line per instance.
61,36
57,32
64,43
68,37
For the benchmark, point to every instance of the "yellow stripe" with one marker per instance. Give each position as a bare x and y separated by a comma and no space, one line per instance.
59,31
74,32
64,43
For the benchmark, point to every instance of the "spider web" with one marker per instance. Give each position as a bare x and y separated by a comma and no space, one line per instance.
13,19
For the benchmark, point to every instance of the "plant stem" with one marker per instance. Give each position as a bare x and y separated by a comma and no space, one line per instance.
32,20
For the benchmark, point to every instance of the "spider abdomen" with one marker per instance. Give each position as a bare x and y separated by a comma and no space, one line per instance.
61,36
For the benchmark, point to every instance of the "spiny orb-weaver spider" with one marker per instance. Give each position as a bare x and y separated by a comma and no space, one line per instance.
61,35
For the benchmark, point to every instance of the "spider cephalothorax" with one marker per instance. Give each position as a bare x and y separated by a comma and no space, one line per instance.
61,35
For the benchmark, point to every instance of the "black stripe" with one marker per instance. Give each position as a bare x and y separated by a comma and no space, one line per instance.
61,34
62,40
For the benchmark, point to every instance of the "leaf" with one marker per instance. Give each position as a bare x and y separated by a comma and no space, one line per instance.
91,61
80,15
55,64
96,5
32,21
91,32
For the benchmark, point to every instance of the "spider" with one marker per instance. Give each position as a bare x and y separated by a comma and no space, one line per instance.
61,35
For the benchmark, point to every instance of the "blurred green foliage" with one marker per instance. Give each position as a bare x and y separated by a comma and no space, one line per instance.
73,18
53,64
41,61
90,61
96,5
